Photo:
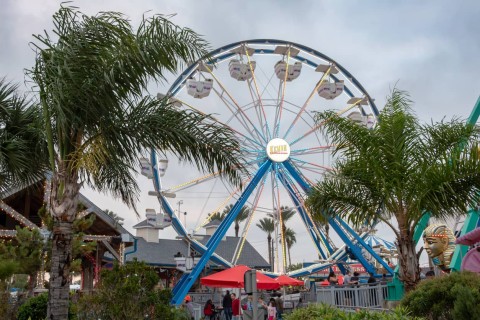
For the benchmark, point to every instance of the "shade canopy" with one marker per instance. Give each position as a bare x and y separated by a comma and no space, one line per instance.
470,238
285,280
233,278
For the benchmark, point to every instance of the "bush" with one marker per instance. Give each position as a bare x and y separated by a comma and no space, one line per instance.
35,308
128,292
327,312
455,296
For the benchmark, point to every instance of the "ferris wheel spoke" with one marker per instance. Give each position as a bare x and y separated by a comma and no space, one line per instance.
278,116
240,244
303,162
323,122
314,150
254,134
204,178
240,111
259,97
218,121
315,234
223,204
308,101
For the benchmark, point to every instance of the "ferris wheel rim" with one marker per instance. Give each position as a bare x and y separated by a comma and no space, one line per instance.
191,68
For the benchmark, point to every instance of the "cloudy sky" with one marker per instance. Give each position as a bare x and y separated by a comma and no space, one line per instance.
429,48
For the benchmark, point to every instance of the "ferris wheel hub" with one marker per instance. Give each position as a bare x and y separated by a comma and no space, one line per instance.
278,150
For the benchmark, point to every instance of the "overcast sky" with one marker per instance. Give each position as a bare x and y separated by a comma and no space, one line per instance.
429,48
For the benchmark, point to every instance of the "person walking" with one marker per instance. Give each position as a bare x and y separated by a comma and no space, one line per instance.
189,307
279,306
272,310
209,310
235,307
227,306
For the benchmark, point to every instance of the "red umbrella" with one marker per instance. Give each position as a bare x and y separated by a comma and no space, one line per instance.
233,278
285,280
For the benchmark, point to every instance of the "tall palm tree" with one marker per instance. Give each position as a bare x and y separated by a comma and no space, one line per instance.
267,225
23,153
117,220
217,216
286,214
290,240
91,79
397,171
242,215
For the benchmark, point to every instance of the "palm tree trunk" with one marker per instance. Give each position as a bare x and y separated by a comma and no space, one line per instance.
289,256
237,228
64,205
409,272
269,239
58,296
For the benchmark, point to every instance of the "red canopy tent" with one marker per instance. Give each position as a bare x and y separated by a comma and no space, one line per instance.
233,278
285,280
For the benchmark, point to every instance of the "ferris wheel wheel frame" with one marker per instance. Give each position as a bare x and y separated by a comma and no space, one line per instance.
354,241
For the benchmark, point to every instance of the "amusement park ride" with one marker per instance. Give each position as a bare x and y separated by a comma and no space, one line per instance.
267,91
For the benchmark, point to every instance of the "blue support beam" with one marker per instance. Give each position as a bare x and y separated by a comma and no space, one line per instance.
338,229
366,246
306,220
189,278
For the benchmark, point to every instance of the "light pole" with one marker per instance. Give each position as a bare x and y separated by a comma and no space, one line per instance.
180,202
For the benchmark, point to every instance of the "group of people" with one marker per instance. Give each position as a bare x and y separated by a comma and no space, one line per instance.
231,306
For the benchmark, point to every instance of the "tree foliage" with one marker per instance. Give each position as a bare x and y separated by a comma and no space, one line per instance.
21,139
455,296
397,171
128,292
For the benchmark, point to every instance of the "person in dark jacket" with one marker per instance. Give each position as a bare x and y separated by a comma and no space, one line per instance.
227,306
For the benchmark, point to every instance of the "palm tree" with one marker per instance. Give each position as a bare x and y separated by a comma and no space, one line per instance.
286,214
91,79
217,216
267,225
242,215
290,240
397,171
117,220
23,153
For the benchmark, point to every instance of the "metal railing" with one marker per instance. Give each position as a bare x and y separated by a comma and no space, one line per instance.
352,297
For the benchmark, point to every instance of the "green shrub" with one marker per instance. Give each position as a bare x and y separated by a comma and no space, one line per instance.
34,308
327,312
455,296
128,292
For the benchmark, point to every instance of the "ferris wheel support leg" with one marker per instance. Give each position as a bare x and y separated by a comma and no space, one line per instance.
189,278
361,242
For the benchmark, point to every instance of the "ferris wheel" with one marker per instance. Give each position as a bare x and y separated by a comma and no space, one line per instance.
267,92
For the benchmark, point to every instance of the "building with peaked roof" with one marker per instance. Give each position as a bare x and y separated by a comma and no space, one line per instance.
20,207
166,254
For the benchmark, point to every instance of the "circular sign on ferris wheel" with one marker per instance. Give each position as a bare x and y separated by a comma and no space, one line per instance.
278,150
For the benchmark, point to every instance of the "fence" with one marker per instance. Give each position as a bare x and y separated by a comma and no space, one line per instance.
352,297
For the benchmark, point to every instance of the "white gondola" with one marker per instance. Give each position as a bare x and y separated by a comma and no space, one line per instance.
330,90
357,117
157,220
241,71
199,89
370,121
146,170
294,70
162,166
